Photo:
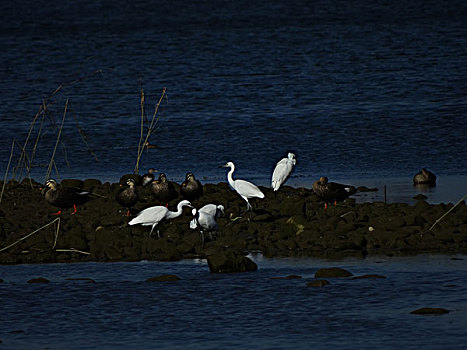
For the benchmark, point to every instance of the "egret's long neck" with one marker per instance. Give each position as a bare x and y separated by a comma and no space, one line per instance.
174,214
229,176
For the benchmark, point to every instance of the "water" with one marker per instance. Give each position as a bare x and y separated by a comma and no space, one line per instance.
235,311
357,90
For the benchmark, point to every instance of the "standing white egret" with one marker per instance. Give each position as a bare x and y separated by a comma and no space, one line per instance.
153,215
205,219
244,188
282,171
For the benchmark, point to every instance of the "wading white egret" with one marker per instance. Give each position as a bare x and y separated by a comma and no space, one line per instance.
205,219
282,171
244,188
153,215
331,191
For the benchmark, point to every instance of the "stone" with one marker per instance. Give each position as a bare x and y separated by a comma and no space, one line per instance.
332,272
430,311
230,261
318,283
163,278
371,276
39,280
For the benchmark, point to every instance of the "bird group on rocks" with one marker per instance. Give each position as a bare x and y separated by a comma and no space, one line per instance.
191,189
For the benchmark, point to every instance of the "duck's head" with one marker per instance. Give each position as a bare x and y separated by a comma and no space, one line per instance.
51,183
162,178
323,180
131,182
189,177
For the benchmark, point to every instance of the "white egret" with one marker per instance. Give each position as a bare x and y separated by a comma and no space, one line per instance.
244,188
205,219
153,215
282,171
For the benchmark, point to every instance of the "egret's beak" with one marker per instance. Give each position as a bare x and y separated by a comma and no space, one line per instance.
224,166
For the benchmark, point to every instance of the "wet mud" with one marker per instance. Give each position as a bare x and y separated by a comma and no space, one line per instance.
290,222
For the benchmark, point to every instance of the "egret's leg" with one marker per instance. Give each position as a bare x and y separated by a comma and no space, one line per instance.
152,229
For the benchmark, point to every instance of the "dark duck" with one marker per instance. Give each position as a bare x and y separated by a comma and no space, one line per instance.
191,189
424,177
331,192
64,197
127,197
163,190
149,177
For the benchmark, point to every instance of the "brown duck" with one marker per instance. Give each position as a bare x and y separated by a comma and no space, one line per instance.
424,177
191,188
332,192
65,197
163,190
127,197
149,177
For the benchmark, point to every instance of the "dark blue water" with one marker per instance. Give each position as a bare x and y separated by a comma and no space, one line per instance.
235,311
355,89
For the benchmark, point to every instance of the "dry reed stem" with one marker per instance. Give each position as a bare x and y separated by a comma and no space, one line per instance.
151,127
52,161
30,234
446,213
72,250
7,169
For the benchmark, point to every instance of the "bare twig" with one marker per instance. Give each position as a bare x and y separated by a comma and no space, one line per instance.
446,213
29,235
7,169
49,169
151,127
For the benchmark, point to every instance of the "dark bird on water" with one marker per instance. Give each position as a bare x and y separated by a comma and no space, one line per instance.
65,197
424,177
163,190
191,189
331,192
127,197
149,177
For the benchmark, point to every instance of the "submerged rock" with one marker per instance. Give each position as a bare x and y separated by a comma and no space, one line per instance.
371,276
163,278
39,280
318,283
290,277
230,261
430,311
332,272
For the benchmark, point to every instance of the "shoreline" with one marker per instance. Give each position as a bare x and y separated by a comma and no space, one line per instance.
289,223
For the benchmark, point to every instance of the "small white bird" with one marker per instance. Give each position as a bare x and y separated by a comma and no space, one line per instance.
282,171
205,219
153,215
244,188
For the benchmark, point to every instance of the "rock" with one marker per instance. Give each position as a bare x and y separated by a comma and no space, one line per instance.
39,280
430,311
89,280
367,277
230,261
318,283
290,277
163,278
332,272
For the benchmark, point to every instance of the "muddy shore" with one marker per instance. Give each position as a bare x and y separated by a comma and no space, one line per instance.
290,222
